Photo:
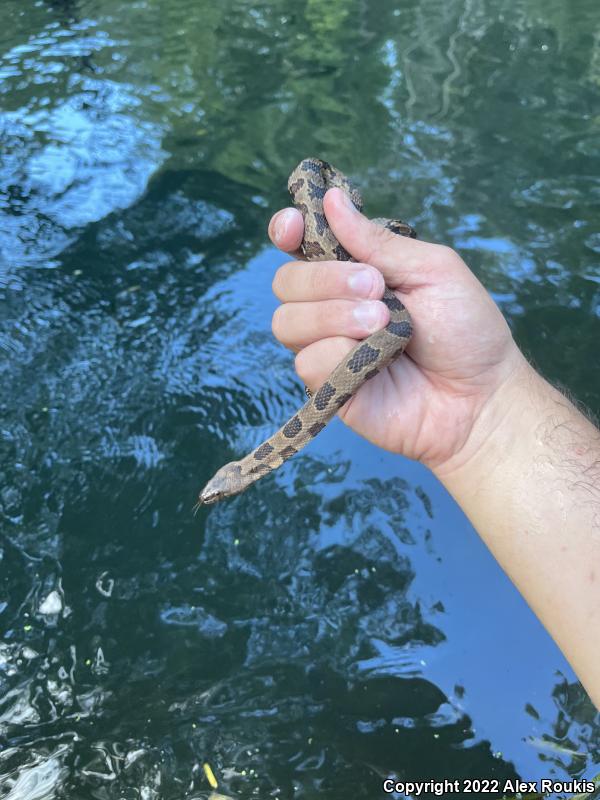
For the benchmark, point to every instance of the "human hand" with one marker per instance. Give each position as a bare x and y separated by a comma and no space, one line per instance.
426,404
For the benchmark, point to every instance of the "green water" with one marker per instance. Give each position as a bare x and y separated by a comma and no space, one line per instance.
340,622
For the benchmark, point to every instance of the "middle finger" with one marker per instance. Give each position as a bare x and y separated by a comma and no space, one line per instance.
299,281
299,324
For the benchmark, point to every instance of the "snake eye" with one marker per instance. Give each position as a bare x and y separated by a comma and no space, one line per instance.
206,498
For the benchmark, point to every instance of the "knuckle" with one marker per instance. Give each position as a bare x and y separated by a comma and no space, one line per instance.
378,284
445,254
383,235
316,278
279,282
278,322
324,313
301,365
380,239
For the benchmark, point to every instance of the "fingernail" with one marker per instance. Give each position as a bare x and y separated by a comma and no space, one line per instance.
369,315
361,282
281,225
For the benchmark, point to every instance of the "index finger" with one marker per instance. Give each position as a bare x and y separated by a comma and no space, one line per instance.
286,230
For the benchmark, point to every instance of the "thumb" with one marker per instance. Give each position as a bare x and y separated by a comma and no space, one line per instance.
395,256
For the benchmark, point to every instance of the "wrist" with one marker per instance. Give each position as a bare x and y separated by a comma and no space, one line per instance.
527,427
501,429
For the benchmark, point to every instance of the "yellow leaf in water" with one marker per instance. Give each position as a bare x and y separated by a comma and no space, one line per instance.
210,776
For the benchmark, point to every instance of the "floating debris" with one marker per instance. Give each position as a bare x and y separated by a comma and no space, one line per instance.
210,775
52,604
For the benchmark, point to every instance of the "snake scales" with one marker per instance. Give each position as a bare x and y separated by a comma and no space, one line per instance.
307,185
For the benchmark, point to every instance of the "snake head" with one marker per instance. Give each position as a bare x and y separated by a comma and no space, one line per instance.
209,495
224,483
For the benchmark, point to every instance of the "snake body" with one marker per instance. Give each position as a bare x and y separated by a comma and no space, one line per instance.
307,185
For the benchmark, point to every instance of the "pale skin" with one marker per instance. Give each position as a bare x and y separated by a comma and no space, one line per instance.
518,457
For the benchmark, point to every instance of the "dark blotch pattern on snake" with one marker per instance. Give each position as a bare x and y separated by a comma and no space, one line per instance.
307,185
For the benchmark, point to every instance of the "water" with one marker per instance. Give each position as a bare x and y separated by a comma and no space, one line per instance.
341,621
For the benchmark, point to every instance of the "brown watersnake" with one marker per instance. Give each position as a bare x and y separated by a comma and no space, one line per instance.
307,185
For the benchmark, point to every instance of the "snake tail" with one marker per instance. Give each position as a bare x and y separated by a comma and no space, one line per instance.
307,185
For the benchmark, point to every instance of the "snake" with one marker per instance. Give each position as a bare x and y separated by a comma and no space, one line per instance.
307,185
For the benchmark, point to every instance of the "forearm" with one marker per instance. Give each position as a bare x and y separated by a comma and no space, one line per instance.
529,480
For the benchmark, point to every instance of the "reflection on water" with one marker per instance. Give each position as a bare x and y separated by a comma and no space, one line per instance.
339,622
